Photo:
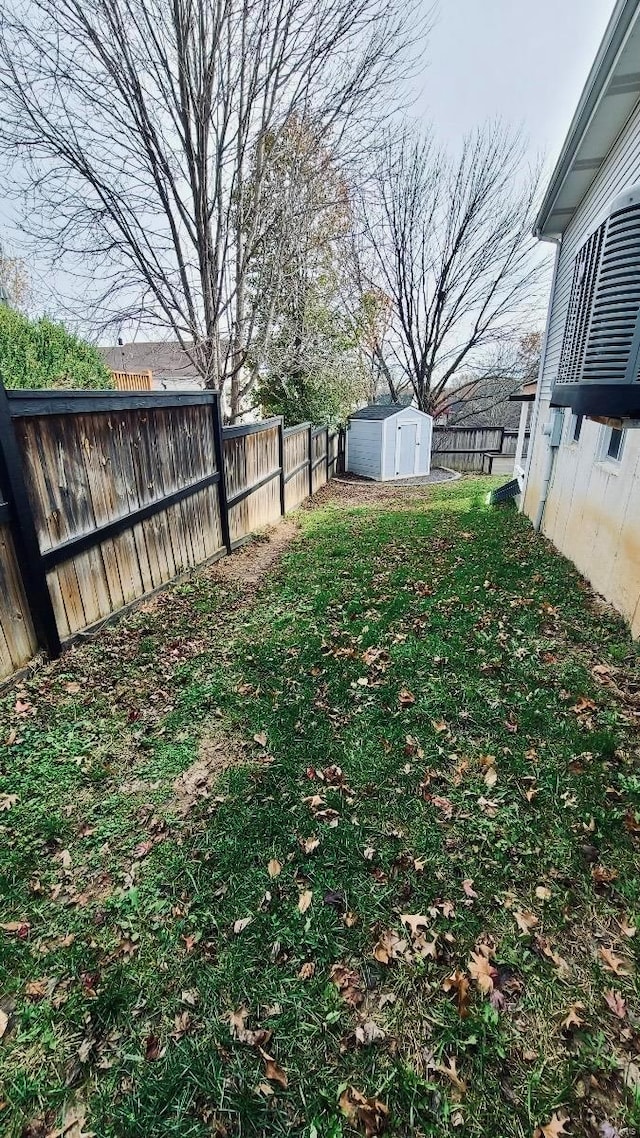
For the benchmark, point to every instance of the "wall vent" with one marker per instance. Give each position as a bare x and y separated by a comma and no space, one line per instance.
600,359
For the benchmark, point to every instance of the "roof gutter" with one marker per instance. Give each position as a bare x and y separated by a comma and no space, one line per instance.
621,20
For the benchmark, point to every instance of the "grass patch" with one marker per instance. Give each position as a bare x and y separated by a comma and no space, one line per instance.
424,712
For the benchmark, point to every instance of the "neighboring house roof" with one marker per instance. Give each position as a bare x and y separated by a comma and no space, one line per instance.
378,411
163,358
526,393
610,94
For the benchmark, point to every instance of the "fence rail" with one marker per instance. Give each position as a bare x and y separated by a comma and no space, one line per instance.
106,496
464,448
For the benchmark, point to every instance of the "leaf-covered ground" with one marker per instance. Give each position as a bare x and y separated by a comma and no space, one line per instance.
360,855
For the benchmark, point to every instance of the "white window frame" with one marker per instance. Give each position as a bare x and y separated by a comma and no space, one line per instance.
603,447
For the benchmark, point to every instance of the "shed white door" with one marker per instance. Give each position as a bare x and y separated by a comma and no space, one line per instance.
406,449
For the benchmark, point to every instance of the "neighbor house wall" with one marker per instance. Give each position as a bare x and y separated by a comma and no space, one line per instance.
364,447
592,513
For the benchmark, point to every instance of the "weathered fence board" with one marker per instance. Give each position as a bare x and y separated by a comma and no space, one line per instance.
112,494
463,448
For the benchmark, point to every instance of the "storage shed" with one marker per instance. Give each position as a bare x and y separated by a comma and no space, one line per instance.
385,442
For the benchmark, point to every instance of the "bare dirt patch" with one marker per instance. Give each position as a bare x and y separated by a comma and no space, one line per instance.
248,566
197,782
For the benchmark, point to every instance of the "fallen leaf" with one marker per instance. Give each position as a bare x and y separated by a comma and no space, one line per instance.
304,900
602,875
4,1022
450,1070
525,921
370,1113
414,922
626,928
307,971
555,1127
481,970
260,739
152,1049
491,777
7,801
439,725
406,698
542,893
467,886
274,1072
348,983
252,1038
72,688
573,1018
368,1032
388,947
614,963
616,1003
274,868
36,989
458,982
309,844
240,925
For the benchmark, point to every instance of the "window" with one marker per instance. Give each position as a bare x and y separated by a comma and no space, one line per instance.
614,449
612,444
575,427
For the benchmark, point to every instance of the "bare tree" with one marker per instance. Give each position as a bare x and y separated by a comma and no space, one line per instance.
449,244
479,396
136,123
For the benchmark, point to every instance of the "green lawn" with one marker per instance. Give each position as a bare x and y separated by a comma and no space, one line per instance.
408,902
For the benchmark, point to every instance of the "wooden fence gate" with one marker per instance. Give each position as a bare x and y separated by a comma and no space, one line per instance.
106,496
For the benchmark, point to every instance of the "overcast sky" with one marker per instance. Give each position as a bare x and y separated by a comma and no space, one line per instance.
520,60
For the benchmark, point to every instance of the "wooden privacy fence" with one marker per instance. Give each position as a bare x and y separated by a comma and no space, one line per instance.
463,448
106,496
132,381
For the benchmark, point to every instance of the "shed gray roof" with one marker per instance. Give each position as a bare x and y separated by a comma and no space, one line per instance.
377,411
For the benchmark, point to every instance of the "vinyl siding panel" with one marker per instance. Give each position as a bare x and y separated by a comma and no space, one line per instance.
620,170
591,514
364,447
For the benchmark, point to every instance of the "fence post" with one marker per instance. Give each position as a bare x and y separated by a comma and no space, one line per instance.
327,449
281,461
311,460
25,538
222,484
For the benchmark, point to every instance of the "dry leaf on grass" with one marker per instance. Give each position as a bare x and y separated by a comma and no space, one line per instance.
257,1038
274,868
273,1071
348,983
389,947
450,1070
458,982
626,928
304,900
467,886
555,1127
368,1032
491,777
406,698
573,1018
481,970
525,921
614,963
414,922
309,844
308,971
370,1113
616,1003
260,739
542,893
4,1022
240,925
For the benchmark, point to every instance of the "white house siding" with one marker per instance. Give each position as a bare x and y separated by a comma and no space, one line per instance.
364,447
592,513
424,423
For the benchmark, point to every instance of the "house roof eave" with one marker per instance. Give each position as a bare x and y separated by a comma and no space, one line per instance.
610,94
